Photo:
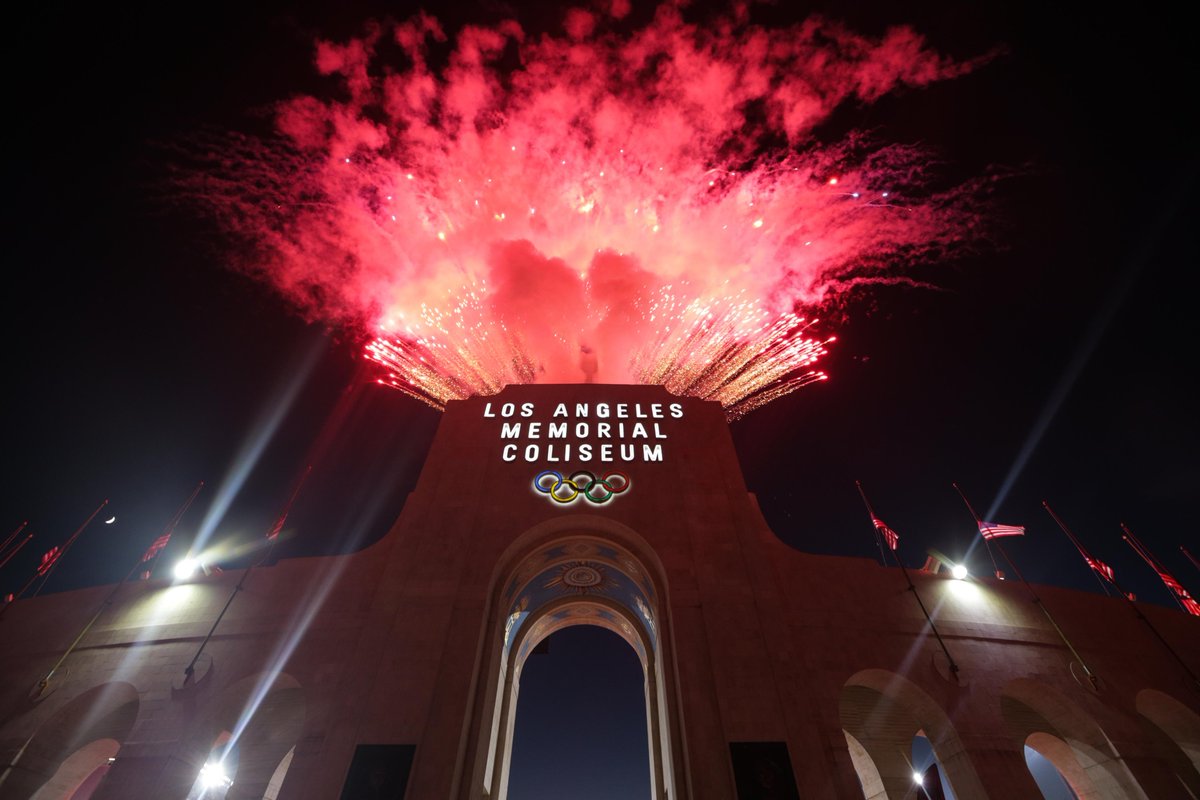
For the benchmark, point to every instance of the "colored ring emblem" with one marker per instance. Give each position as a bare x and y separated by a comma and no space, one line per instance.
580,483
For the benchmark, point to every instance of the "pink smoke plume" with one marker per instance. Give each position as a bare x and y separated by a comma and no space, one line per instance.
646,206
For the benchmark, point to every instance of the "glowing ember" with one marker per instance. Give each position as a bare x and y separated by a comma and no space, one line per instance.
646,207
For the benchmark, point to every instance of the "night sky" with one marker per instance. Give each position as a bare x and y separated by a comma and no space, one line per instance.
138,365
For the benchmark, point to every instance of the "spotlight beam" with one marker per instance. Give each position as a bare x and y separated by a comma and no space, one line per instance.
1091,339
263,431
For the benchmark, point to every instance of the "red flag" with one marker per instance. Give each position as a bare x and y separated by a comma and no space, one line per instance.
893,538
278,526
156,547
1101,568
49,560
1181,594
990,530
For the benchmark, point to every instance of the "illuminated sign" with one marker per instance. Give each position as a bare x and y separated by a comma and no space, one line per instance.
584,432
581,483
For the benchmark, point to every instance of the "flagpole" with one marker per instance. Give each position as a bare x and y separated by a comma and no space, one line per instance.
1139,548
67,547
1037,600
878,538
54,563
16,549
1137,611
170,529
1191,557
978,519
278,526
1091,676
1078,546
13,536
1179,594
190,669
272,537
44,682
911,587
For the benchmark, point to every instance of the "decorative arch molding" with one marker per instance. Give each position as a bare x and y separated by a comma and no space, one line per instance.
881,712
81,772
580,525
573,570
1045,719
1060,754
72,743
281,770
864,766
1174,729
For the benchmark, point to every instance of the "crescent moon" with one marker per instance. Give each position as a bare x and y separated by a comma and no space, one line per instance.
110,521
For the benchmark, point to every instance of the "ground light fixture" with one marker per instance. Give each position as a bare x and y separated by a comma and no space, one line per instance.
959,572
212,776
918,779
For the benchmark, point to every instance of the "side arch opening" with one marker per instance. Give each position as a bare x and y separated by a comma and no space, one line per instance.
883,714
249,729
1174,732
69,754
1048,722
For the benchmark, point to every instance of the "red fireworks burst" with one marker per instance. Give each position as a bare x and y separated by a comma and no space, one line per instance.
606,210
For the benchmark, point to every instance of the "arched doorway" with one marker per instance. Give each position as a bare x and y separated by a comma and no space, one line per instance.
1050,779
882,715
1174,730
581,720
1045,720
551,582
249,729
80,773
74,746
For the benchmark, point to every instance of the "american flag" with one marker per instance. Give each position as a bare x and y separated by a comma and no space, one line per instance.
1172,584
990,530
277,528
156,547
1101,568
49,560
1181,593
890,535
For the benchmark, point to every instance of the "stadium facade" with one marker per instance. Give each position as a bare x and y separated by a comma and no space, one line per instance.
769,673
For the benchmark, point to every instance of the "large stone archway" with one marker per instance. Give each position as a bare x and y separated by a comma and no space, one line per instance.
581,571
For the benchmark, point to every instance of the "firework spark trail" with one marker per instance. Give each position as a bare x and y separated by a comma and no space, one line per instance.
610,208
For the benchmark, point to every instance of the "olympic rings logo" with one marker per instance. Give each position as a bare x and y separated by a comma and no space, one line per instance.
580,483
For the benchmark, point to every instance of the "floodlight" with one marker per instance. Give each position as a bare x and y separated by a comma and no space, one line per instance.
212,776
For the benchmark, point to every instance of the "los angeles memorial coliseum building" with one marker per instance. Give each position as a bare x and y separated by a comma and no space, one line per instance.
769,673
